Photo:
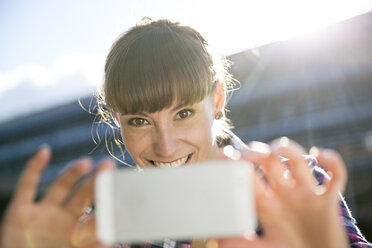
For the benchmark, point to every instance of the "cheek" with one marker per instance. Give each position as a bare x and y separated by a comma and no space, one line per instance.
200,134
134,144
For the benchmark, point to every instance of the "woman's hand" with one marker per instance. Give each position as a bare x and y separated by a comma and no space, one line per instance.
293,212
54,221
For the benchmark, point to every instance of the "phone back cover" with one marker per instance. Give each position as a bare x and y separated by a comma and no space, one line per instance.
214,199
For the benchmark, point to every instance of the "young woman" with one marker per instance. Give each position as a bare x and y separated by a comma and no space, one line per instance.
167,93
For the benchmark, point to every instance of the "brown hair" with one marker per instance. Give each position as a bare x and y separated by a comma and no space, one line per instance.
158,63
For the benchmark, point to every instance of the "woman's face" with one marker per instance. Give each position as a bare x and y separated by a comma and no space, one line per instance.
173,136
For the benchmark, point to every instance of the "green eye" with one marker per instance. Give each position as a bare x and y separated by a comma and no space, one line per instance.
184,114
138,122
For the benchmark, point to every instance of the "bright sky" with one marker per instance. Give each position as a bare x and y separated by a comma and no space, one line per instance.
53,51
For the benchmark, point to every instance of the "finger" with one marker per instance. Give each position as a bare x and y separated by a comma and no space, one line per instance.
265,203
333,163
63,185
269,211
259,147
254,157
269,167
274,172
85,193
27,185
298,165
241,242
259,185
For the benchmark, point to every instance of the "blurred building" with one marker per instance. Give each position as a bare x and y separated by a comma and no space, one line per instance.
315,89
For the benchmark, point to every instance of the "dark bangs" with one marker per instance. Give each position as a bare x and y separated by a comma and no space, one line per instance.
149,69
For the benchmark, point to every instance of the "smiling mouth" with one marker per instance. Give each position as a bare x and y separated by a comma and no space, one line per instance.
175,163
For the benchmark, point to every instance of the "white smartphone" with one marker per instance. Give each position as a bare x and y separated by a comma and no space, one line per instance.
213,199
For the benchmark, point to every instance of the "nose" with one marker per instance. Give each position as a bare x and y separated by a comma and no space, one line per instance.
165,141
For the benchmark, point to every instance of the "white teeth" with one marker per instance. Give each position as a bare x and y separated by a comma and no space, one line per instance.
176,163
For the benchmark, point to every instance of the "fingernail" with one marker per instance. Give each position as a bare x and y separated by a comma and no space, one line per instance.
44,148
279,143
314,151
320,190
284,141
260,147
230,152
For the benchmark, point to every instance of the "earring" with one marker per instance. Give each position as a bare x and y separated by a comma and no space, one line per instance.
218,116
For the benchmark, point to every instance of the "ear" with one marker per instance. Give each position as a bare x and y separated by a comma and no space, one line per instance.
220,97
